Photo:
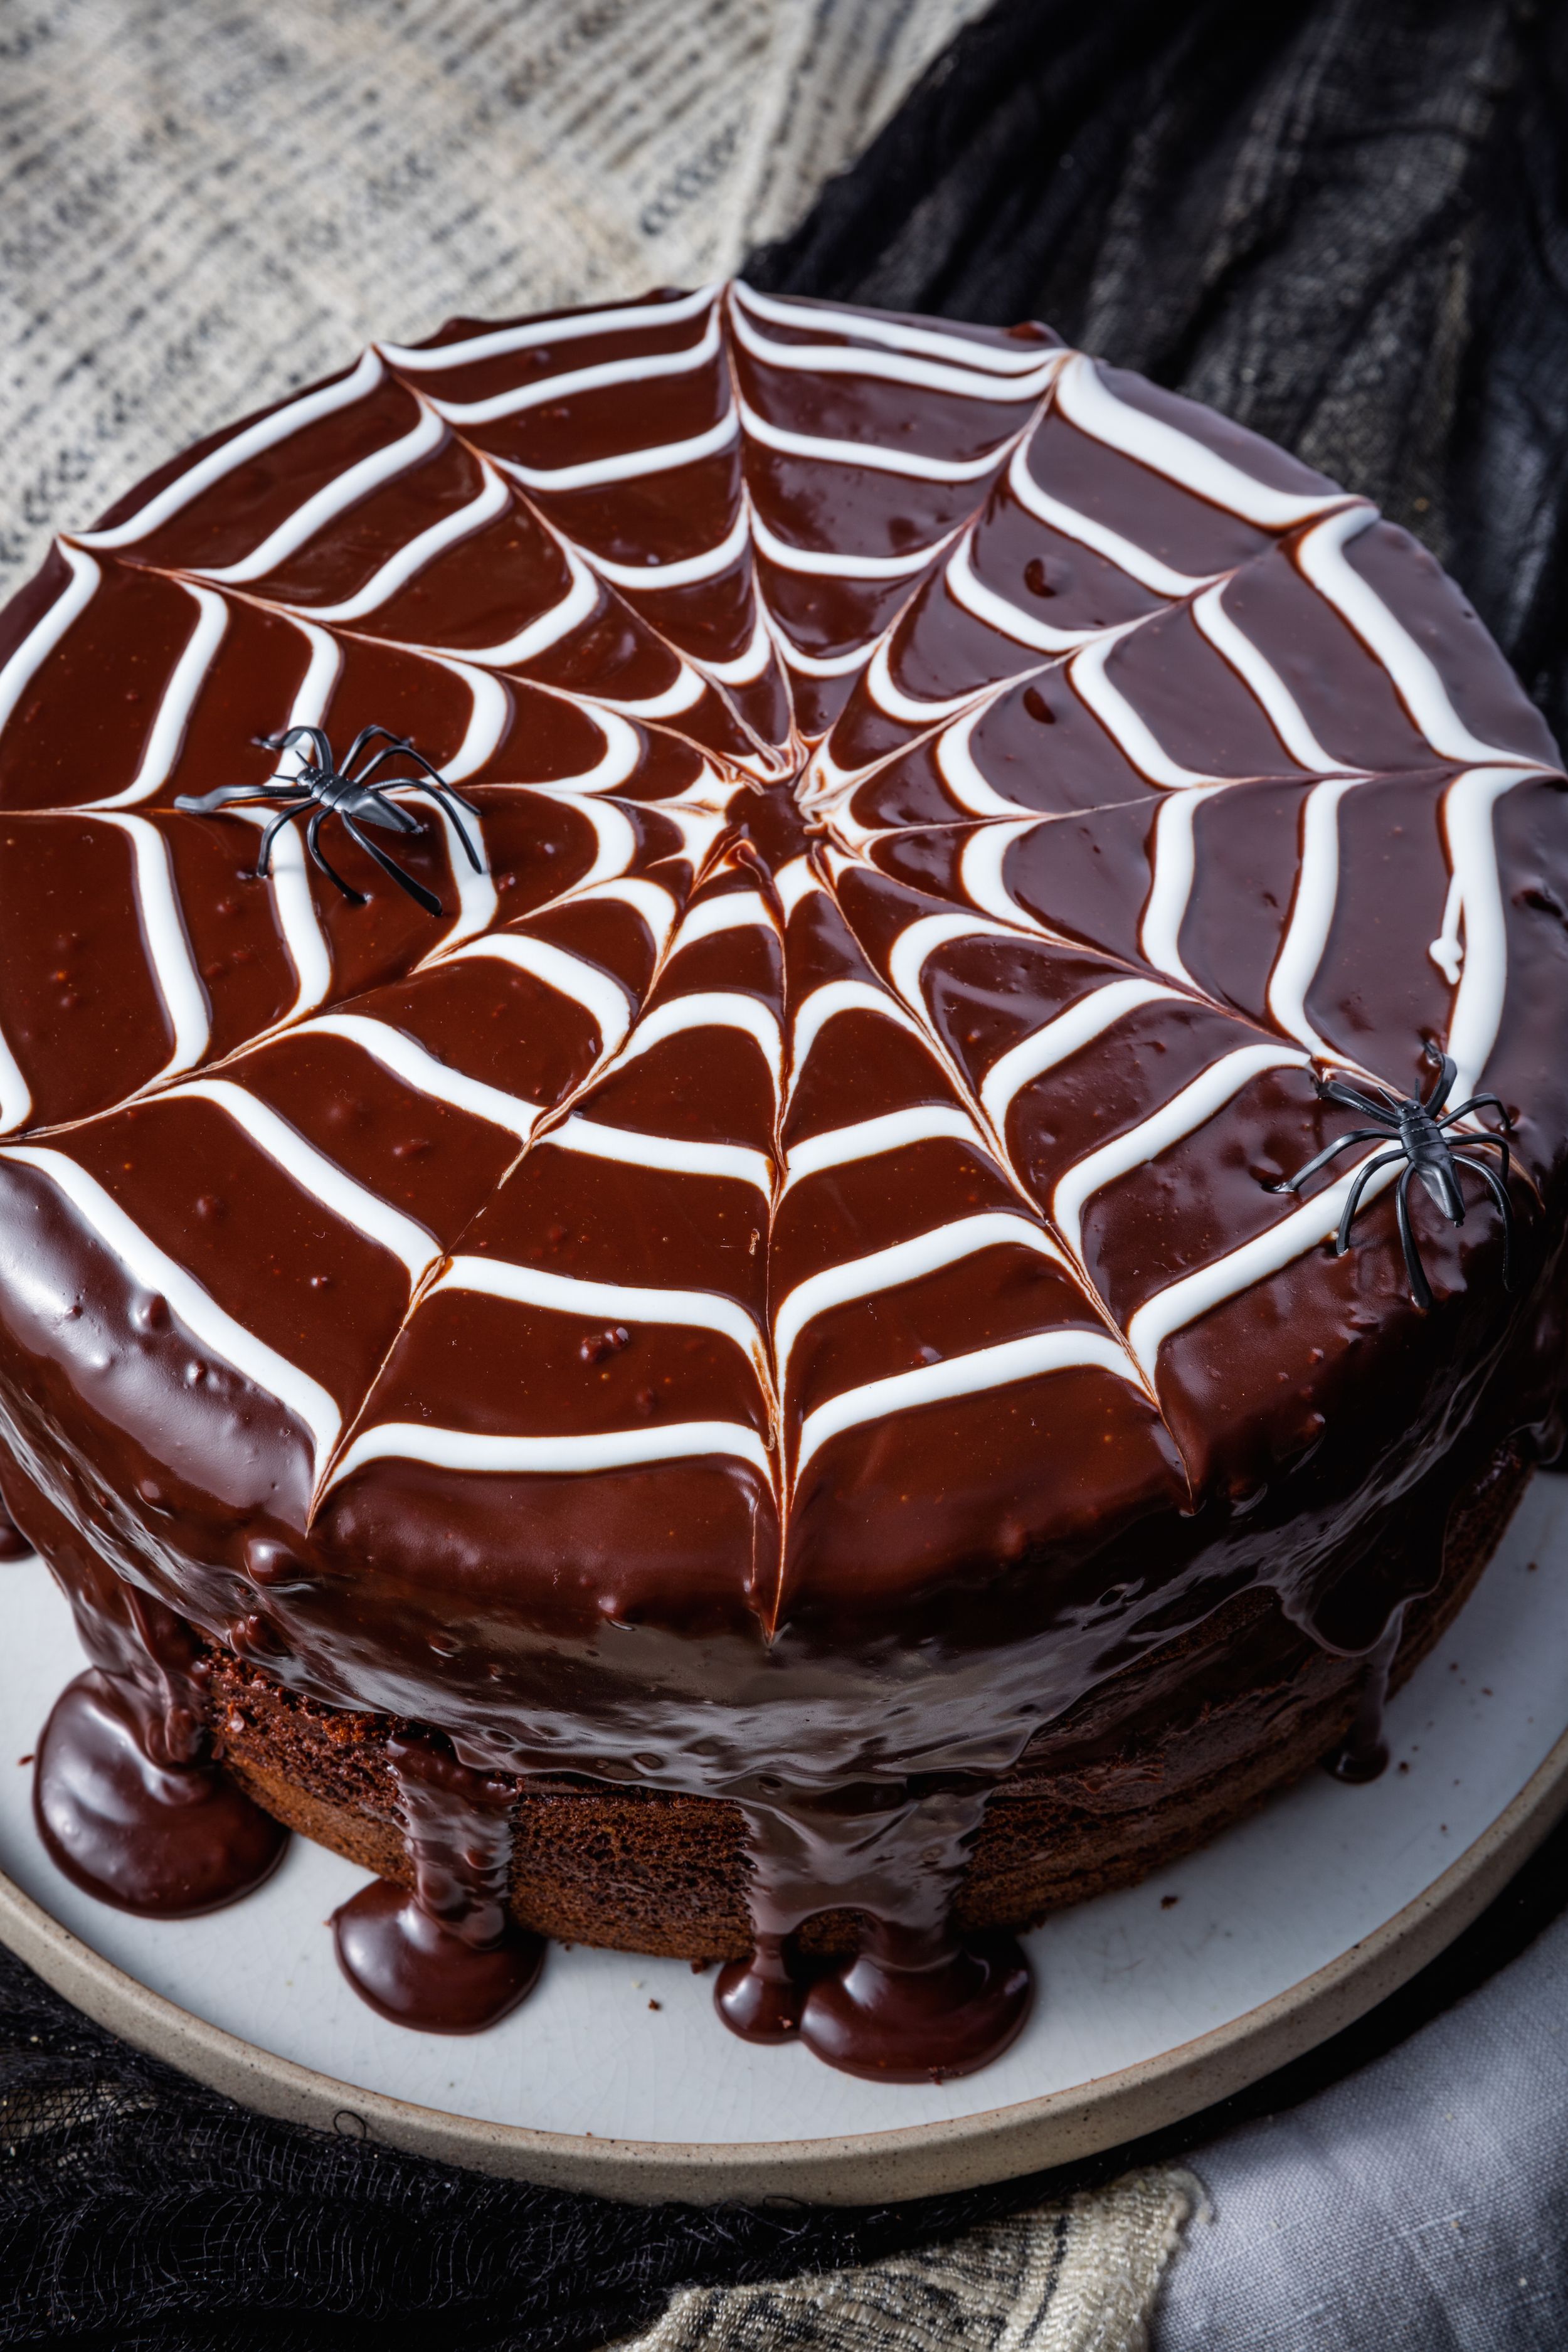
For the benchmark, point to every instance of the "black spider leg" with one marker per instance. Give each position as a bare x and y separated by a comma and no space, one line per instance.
1474,1141
1478,1102
1336,1090
1420,1288
1356,1135
1498,1187
313,844
406,882
205,803
288,736
296,807
1447,1071
1353,1200
368,735
434,784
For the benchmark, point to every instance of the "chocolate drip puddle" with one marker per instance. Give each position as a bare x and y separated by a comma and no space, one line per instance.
168,1839
445,1957
916,1999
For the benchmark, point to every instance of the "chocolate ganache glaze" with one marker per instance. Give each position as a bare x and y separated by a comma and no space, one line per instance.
780,1287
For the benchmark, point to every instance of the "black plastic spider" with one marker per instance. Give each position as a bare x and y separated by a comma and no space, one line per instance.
328,787
1419,1140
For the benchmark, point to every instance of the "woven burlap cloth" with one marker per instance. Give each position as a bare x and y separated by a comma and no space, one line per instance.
1080,2276
203,206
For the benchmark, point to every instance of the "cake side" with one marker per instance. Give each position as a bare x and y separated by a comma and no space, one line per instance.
1154,1764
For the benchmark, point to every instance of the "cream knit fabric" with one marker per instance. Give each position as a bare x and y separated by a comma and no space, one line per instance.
204,206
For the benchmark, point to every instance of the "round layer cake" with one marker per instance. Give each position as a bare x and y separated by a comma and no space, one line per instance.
674,981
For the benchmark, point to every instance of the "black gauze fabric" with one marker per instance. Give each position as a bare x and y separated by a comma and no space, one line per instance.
1343,224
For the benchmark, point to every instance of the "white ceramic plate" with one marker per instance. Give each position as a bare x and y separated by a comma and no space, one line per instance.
617,2075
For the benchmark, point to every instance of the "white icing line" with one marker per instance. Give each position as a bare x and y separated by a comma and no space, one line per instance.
980,872
362,1210
872,455
477,900
682,573
602,998
492,501
967,589
488,721
1311,913
639,367
630,1147
167,944
614,846
1283,711
294,905
710,1008
922,939
1447,950
569,611
1185,1112
407,1060
913,709
621,1302
892,367
986,1368
1078,1026
648,900
593,472
16,1097
750,664
894,332
1086,400
1132,735
197,1309
820,664
530,332
797,880
616,764
1173,867
887,1270
739,910
825,564
836,996
1468,829
611,1449
333,498
309,409
1136,562
178,701
46,634
1181,1303
687,692
957,767
1414,676
868,1138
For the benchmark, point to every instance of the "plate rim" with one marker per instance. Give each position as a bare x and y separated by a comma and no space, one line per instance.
907,2160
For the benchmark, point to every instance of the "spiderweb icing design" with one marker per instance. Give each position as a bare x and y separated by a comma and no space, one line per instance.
930,787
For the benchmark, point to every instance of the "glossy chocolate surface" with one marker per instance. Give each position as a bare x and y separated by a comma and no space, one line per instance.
779,1289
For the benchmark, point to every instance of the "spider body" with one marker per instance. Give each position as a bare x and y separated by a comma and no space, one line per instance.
356,794
1416,1129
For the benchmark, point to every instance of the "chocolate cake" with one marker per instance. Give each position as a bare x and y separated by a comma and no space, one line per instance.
784,1130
